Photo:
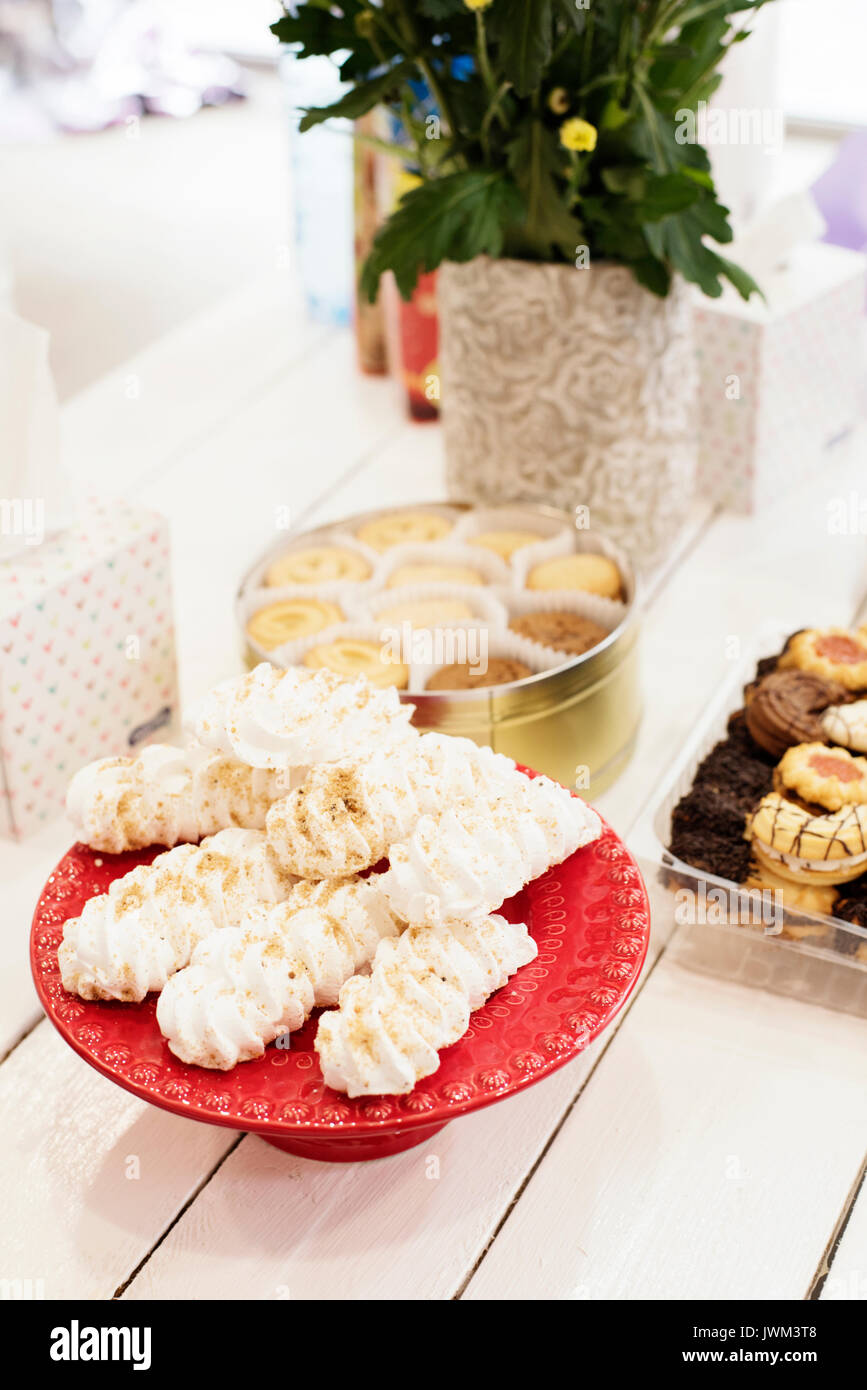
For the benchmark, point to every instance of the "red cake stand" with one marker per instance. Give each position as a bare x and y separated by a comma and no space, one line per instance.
591,921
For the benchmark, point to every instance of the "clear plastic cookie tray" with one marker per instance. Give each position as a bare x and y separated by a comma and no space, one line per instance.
719,928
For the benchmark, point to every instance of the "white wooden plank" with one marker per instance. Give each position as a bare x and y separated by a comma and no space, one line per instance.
709,1155
150,410
92,1176
24,867
846,1265
272,1226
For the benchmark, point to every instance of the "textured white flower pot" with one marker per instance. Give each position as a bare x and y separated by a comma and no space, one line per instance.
572,387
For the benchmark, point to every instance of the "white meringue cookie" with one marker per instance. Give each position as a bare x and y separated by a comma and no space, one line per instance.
249,984
348,814
392,1025
283,719
128,941
167,796
468,860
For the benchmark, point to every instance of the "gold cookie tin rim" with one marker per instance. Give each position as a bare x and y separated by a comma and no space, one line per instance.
582,671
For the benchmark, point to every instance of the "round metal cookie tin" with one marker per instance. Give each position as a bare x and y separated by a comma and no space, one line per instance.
577,722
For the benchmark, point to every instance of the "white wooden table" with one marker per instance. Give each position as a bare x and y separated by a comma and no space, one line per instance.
711,1145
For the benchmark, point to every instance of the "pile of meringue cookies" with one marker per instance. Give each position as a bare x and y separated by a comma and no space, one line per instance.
291,788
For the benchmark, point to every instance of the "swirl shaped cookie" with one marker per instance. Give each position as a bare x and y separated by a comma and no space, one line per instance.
347,815
249,984
404,528
470,858
166,796
806,848
129,941
291,618
318,564
785,708
392,1025
290,719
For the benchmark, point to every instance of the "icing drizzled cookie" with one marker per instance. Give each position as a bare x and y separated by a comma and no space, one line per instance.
808,848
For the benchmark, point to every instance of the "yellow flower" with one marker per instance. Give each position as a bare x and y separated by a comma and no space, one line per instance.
478,4
579,135
558,100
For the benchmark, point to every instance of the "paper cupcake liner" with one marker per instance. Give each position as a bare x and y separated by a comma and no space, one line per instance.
506,645
607,612
555,537
330,536
492,569
451,514
488,609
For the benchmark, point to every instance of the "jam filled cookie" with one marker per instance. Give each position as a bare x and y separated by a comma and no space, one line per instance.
505,543
460,676
320,564
565,632
350,657
786,708
593,574
847,725
283,622
828,777
427,612
433,574
834,654
403,528
805,848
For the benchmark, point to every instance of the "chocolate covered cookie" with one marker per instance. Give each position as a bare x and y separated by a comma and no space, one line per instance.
785,708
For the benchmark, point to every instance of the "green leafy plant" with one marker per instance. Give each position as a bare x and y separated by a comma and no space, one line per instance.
559,128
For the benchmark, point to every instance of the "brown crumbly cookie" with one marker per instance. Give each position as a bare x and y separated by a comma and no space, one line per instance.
460,676
834,653
824,776
566,632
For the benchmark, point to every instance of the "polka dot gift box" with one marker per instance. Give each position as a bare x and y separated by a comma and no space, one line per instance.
87,654
778,380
